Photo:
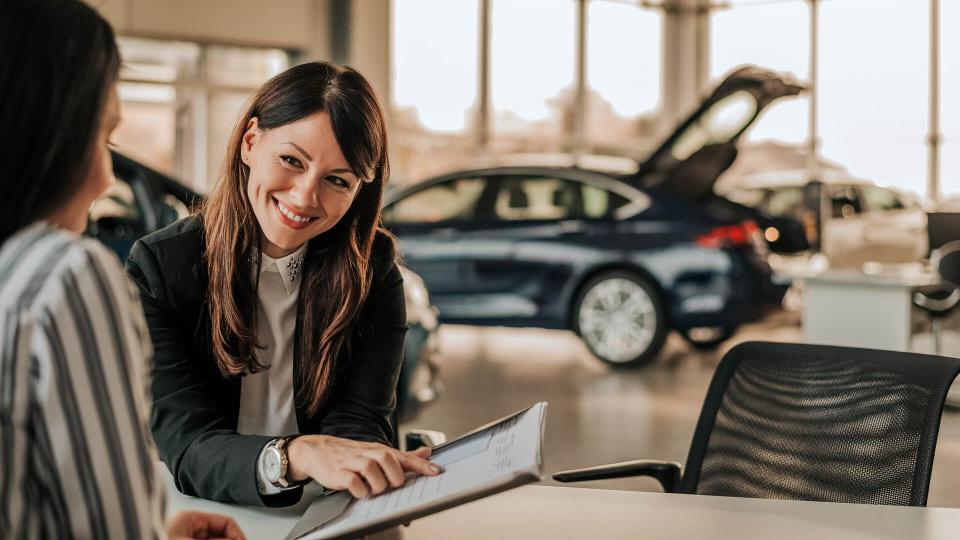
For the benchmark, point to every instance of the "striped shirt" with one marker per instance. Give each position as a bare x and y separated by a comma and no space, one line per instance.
76,459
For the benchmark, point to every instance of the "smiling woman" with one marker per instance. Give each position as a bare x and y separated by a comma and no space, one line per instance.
277,314
295,195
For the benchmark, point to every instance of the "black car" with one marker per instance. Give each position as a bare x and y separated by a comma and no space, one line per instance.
144,200
617,256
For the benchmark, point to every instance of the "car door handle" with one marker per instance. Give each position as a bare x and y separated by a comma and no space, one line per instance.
571,227
445,232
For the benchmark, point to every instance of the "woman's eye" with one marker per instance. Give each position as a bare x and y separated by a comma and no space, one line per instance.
339,182
292,161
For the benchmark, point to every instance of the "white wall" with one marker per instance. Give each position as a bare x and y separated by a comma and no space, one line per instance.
369,42
289,24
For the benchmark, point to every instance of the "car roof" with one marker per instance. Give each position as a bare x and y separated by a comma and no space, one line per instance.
612,165
791,178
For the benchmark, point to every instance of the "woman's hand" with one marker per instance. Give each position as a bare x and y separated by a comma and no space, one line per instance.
192,525
361,467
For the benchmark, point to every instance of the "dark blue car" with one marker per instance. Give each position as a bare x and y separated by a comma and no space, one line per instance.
618,254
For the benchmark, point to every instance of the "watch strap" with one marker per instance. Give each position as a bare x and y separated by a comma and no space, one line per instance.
282,444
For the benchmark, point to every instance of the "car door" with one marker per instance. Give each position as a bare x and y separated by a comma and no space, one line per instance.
431,223
544,227
895,230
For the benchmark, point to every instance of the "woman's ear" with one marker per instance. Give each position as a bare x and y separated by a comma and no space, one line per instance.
249,139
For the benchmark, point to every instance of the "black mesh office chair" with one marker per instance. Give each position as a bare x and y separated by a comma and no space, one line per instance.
939,301
810,422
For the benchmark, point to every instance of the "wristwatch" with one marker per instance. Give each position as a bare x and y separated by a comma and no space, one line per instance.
276,464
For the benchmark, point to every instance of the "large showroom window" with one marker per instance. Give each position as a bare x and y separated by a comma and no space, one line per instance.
950,97
434,86
531,73
530,94
874,88
179,102
774,36
623,77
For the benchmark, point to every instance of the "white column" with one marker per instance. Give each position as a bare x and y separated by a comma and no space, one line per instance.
369,51
686,53
934,138
813,140
482,126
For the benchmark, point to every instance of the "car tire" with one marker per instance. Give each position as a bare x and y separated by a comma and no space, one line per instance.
620,318
707,338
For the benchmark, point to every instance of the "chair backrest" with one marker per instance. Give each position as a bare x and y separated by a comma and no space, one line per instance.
819,423
942,228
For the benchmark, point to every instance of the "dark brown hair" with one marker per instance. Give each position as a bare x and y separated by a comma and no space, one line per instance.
59,60
337,268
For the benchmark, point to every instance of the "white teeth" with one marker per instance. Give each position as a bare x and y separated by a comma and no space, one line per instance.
289,213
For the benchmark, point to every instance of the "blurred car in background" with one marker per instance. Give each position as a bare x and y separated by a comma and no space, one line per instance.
853,221
618,251
143,200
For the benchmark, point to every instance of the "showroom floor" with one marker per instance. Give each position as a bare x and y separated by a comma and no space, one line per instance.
598,416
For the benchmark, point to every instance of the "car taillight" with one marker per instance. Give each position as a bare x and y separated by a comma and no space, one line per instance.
741,234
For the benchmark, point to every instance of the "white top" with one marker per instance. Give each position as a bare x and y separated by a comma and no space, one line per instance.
266,397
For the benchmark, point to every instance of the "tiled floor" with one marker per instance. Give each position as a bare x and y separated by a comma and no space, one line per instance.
598,416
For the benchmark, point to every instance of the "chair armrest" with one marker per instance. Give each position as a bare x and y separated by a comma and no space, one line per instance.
666,472
936,305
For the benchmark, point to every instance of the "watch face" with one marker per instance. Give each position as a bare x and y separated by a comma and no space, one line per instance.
271,465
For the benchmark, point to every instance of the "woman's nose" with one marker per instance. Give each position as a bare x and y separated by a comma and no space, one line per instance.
306,190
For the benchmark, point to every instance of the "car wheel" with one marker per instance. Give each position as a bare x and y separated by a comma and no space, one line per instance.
620,318
707,337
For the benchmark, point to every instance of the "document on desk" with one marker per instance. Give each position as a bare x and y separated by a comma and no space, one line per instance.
499,456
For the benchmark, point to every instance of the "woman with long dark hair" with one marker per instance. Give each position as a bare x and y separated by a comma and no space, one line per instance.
75,457
277,313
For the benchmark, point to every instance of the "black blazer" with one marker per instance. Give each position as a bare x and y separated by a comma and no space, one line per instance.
195,409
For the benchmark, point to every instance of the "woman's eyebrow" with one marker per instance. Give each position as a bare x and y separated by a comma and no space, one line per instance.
310,158
302,151
344,171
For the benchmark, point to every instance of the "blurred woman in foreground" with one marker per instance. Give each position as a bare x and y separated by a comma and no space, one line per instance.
75,456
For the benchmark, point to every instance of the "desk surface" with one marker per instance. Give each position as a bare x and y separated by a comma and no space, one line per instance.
546,512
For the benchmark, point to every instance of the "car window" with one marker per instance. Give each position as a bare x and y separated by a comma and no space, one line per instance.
747,197
452,200
117,211
786,202
600,203
881,200
548,199
844,201
723,121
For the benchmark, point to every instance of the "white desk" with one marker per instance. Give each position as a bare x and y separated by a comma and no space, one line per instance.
546,512
860,310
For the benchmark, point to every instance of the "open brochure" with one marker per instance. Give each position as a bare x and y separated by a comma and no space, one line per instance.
499,456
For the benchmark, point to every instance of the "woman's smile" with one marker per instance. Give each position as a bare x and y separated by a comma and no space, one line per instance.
291,217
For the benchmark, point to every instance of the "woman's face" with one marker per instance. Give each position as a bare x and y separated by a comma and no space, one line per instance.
100,174
300,184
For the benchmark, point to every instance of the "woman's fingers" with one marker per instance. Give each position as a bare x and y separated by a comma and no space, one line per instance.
371,472
422,452
358,488
411,461
390,463
362,468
